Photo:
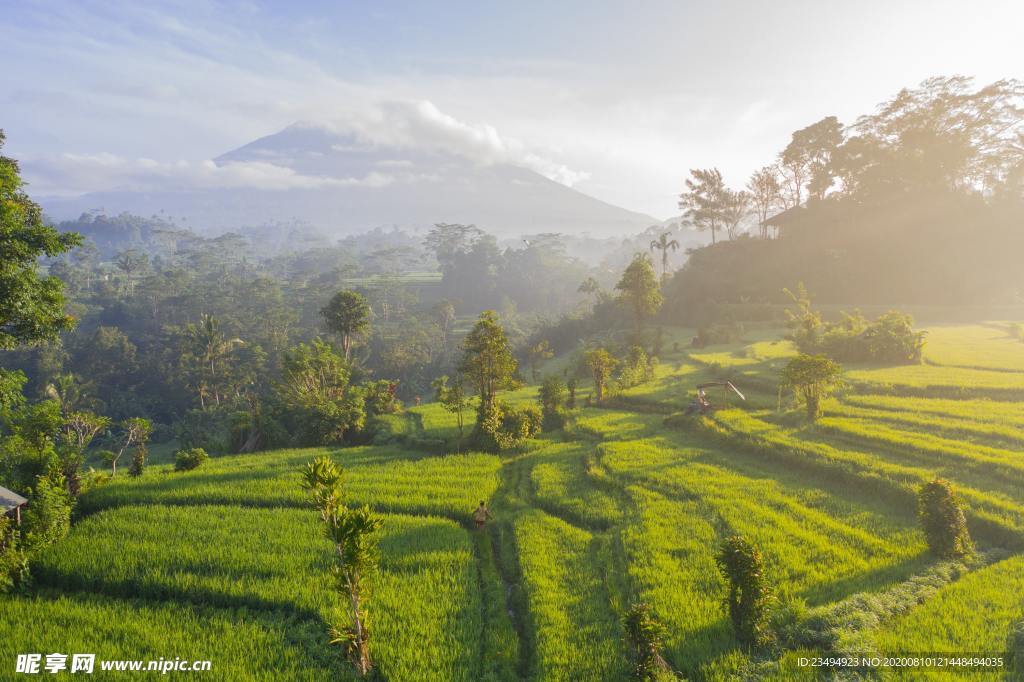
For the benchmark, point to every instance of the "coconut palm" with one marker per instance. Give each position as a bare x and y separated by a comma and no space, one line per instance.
208,348
664,244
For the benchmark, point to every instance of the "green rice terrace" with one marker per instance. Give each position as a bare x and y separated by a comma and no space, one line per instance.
629,503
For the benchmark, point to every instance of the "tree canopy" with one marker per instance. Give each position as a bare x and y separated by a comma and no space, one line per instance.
31,305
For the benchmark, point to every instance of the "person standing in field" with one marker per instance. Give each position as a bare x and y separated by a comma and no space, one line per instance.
481,515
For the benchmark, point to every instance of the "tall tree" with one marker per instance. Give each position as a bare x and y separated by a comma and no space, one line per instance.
735,209
31,306
944,134
640,290
207,348
806,160
703,199
763,188
346,314
487,359
131,262
664,244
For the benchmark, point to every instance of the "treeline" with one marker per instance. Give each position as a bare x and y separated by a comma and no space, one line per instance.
919,202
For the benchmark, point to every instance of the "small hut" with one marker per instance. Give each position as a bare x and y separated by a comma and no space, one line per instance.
786,219
11,504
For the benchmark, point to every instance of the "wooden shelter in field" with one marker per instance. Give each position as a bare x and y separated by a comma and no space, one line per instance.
11,504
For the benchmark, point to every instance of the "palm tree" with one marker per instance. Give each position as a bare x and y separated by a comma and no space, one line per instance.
663,244
209,347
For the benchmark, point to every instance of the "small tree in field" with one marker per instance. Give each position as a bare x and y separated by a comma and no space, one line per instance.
601,363
134,432
748,597
645,637
354,535
488,364
942,517
452,397
812,378
552,403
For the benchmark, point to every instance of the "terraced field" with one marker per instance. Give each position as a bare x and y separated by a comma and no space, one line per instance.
627,504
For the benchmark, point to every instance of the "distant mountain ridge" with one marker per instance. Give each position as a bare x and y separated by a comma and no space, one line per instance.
340,185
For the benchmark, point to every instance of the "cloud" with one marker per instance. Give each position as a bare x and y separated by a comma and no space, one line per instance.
421,125
81,173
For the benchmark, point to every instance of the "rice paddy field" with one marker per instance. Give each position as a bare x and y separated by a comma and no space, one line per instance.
627,504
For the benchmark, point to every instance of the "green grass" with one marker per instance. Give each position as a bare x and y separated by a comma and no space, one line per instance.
577,635
242,645
987,346
815,547
628,503
389,478
973,615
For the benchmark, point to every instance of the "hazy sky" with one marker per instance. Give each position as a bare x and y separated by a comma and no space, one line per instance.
618,99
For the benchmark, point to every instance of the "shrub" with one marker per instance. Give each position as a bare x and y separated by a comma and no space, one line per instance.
600,363
380,397
645,637
501,426
571,385
637,368
138,464
13,558
748,597
186,460
48,516
942,519
890,338
812,378
553,395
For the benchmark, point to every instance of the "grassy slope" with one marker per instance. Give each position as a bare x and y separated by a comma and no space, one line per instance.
622,507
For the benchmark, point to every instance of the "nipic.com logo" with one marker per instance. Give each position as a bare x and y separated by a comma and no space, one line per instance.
55,663
32,664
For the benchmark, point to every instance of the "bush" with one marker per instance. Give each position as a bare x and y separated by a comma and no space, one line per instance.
719,332
13,558
380,397
48,516
645,637
186,460
553,396
942,519
890,338
748,597
637,368
503,427
812,378
138,461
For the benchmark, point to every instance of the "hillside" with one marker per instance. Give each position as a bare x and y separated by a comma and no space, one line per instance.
227,563
340,184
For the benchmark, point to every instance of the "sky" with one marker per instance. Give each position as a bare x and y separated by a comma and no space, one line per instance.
616,99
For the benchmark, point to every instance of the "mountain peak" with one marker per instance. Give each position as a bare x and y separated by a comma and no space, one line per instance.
342,182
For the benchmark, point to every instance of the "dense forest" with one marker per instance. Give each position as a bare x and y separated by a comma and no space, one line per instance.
895,207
